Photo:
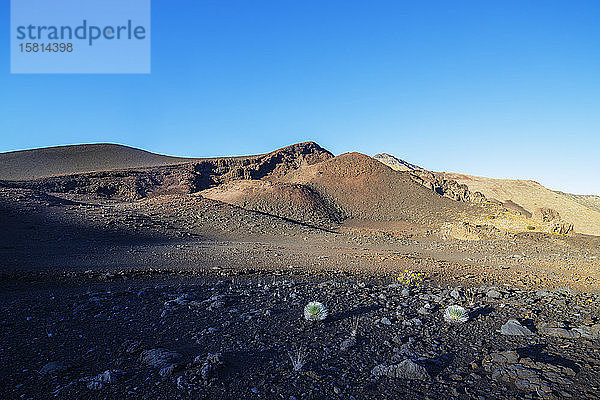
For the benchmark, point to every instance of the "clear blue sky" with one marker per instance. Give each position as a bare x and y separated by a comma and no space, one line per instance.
495,88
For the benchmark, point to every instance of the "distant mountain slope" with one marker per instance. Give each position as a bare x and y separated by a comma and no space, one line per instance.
590,201
530,196
64,160
396,163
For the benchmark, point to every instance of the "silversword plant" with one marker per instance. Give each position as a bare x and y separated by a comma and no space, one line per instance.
315,311
456,314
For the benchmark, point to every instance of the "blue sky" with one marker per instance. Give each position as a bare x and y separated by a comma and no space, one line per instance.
494,88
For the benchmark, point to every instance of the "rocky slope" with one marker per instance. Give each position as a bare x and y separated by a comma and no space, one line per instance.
285,200
439,184
525,198
395,163
530,196
189,177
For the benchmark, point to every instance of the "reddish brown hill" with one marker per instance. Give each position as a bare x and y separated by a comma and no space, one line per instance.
286,200
360,187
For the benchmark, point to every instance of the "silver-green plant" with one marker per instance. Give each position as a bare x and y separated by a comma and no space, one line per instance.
315,311
456,314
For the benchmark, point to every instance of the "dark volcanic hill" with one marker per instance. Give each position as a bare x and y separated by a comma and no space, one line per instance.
184,176
66,160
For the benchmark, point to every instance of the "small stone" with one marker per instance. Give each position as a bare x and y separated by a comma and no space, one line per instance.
423,311
514,328
107,376
167,370
348,343
413,322
386,321
455,294
556,330
216,305
53,368
95,385
407,369
494,294
159,357
209,366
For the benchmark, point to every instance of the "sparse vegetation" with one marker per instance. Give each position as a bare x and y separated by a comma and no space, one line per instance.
470,294
354,324
411,278
315,311
298,358
456,314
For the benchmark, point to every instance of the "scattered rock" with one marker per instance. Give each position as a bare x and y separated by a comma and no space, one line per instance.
53,368
528,375
407,369
514,328
455,294
95,385
412,322
561,227
182,300
556,329
107,377
205,369
163,359
545,214
348,343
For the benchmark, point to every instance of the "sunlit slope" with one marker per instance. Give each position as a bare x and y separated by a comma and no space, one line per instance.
530,195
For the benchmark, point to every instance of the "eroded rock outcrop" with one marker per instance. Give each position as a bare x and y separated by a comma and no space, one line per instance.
447,187
442,186
556,224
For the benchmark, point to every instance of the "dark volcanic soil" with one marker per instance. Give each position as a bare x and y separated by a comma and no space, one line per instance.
88,337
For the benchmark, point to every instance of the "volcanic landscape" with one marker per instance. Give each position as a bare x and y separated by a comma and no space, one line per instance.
131,275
